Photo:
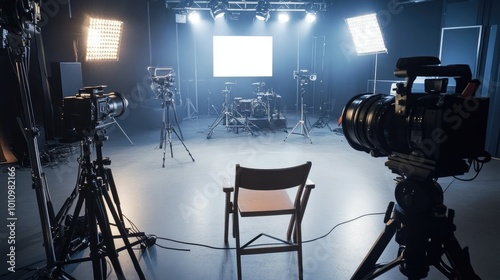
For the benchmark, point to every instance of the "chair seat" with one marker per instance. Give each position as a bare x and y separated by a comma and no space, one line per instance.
274,202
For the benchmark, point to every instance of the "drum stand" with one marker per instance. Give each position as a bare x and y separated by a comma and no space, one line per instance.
304,130
168,128
225,114
247,124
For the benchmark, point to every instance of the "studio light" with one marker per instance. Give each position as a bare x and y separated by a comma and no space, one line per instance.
367,38
218,10
103,39
283,17
366,34
194,17
262,10
311,13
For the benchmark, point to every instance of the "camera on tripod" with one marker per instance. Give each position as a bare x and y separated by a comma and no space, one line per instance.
162,79
92,109
304,76
434,132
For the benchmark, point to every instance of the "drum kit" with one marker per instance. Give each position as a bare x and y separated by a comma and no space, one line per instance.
238,112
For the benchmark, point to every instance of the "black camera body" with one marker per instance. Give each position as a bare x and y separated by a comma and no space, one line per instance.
92,109
434,130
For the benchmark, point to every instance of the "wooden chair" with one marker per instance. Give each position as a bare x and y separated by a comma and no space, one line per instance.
263,192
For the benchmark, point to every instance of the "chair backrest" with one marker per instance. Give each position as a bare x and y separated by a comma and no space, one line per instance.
272,179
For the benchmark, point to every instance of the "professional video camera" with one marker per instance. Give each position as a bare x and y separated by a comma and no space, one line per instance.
304,75
425,136
432,131
92,109
162,79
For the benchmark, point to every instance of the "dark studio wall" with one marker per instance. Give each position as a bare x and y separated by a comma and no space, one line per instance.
189,49
151,37
408,30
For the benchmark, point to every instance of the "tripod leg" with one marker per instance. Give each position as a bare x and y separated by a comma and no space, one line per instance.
367,267
66,248
215,124
162,135
124,235
183,144
459,258
97,215
114,192
176,120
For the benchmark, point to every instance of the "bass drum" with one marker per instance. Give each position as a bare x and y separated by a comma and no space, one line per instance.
259,109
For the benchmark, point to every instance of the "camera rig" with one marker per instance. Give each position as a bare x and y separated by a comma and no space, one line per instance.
425,136
304,76
91,109
162,80
435,132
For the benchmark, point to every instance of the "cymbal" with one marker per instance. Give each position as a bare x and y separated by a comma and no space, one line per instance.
225,90
229,83
255,84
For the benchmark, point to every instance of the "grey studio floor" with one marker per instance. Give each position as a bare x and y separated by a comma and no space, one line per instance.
183,201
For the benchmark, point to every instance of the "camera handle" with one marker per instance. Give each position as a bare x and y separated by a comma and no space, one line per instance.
413,229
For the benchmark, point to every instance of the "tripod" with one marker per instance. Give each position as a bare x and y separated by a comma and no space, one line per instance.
167,128
323,120
424,233
189,106
304,130
94,182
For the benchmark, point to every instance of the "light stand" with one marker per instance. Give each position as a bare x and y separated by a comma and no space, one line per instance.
367,38
189,106
304,77
326,108
18,32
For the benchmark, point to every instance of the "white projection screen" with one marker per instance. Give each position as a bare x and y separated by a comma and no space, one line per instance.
243,56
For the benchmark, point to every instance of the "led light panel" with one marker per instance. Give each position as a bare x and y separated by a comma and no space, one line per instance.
103,40
366,34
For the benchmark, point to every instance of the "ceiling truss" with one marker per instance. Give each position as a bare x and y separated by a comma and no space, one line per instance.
277,6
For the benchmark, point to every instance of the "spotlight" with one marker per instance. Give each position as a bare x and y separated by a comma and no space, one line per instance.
283,17
194,17
218,9
262,10
311,12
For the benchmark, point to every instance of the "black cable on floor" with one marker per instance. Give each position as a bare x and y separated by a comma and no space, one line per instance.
267,244
134,229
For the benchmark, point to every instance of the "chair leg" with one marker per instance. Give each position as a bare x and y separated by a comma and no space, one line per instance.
228,210
298,236
238,264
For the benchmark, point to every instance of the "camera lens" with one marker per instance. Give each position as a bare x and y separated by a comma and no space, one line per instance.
117,104
368,124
